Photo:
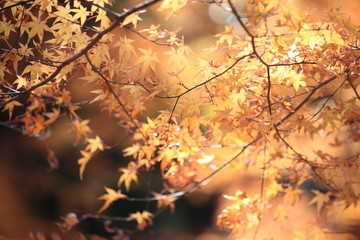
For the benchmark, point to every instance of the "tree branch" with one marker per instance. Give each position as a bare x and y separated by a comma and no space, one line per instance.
119,19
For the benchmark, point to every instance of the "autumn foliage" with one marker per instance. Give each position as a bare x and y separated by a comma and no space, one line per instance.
273,95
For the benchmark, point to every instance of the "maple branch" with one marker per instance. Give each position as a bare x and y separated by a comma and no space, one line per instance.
173,110
104,217
288,33
208,80
147,39
257,227
328,99
43,61
290,64
180,194
268,97
16,4
306,100
238,18
352,86
313,166
253,44
114,94
119,19
278,102
198,183
156,198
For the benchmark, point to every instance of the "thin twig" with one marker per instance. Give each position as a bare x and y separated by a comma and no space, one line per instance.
352,86
115,95
15,4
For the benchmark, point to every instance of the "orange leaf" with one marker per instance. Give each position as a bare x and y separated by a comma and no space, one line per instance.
110,197
52,116
81,128
143,219
10,107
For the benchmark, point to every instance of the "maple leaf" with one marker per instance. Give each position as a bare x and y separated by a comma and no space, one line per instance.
273,189
297,82
147,61
10,107
84,161
133,18
110,197
81,128
132,150
6,28
52,116
320,199
129,175
173,5
177,58
164,201
292,195
39,124
227,36
101,95
143,219
21,82
94,144
81,14
37,28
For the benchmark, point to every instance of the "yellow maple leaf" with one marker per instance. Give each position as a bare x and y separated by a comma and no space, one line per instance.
133,18
94,144
173,5
320,199
147,61
10,107
80,13
273,189
110,197
129,175
227,36
177,58
101,95
83,161
38,28
292,195
21,82
297,82
131,151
